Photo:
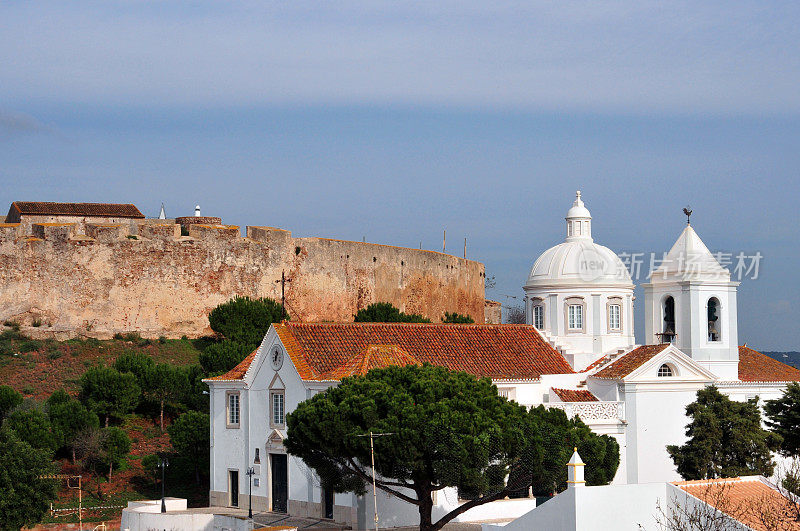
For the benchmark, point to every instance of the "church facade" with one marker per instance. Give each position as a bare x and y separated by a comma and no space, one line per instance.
577,353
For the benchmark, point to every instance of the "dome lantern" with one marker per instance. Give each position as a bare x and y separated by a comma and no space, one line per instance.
579,220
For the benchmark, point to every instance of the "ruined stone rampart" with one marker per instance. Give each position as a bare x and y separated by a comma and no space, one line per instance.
146,277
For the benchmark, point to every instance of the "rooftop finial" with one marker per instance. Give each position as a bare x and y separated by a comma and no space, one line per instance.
688,211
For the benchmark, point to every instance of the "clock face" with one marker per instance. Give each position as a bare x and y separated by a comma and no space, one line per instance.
276,357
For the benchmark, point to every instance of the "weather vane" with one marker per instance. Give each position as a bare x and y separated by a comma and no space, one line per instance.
688,211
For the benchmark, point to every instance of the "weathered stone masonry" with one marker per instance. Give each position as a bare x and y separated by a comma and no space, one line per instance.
161,283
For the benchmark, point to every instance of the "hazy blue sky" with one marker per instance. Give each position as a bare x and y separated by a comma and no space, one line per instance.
393,121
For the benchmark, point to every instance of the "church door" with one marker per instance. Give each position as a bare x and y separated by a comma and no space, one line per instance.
280,483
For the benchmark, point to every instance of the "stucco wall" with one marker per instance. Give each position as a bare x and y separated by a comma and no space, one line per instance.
164,284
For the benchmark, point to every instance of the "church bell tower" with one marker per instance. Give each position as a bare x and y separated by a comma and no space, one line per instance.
690,301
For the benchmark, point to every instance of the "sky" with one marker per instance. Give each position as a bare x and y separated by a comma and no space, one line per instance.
395,121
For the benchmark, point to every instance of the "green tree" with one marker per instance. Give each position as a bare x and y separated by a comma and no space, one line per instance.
384,312
24,495
245,320
189,435
558,437
109,392
165,384
33,427
9,399
457,318
725,439
223,356
447,429
195,397
69,418
115,445
783,416
136,363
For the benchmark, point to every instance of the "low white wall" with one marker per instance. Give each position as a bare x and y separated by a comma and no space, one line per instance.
146,515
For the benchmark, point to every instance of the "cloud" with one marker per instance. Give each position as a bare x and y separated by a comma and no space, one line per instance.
647,56
16,123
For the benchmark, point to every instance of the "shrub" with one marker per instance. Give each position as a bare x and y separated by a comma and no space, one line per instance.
162,339
384,312
245,320
223,356
457,318
133,337
9,399
13,325
118,336
36,323
29,345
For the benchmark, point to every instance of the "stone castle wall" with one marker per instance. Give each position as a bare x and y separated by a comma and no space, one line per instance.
146,277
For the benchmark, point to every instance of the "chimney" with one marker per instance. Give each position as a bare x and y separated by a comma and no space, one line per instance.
575,471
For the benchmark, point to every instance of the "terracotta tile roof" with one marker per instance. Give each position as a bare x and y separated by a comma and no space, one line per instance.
757,367
238,372
597,363
77,209
627,363
749,500
322,350
371,357
575,395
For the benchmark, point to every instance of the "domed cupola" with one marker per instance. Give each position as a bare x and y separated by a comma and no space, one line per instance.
579,221
579,293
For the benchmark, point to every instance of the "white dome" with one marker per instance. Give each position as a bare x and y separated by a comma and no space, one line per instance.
579,261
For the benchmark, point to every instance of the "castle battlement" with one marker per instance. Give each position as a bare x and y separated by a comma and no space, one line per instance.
99,277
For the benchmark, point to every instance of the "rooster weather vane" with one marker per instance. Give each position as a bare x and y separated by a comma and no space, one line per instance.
688,211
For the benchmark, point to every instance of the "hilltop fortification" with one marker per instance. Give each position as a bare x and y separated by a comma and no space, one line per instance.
97,278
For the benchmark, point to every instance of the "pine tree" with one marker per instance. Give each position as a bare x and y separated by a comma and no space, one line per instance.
784,419
725,439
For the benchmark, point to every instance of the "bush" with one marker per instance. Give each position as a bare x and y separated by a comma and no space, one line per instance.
118,336
162,339
133,337
13,325
457,318
223,356
384,312
28,345
36,323
9,399
245,320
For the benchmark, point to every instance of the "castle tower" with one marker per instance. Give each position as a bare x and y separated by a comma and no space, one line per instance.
579,294
690,301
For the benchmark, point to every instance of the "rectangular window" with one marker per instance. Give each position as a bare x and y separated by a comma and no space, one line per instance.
614,316
576,316
233,410
538,316
278,417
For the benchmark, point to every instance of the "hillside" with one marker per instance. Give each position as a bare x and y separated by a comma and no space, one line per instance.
790,358
38,368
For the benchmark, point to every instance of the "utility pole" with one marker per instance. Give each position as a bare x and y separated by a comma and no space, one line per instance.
283,282
372,455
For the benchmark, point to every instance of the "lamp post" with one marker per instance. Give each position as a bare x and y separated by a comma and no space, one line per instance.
163,462
250,472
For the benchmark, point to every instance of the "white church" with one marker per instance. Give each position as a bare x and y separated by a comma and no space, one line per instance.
577,352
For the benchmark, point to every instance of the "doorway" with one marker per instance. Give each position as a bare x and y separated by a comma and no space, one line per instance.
233,487
280,482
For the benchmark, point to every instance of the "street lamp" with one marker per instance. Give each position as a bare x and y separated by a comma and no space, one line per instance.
163,463
250,472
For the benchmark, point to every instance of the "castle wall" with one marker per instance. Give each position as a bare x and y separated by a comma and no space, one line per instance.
161,283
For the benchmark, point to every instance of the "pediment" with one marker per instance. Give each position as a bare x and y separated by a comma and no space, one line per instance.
277,383
683,368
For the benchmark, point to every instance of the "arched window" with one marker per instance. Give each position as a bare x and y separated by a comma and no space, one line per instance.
664,371
668,334
713,319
